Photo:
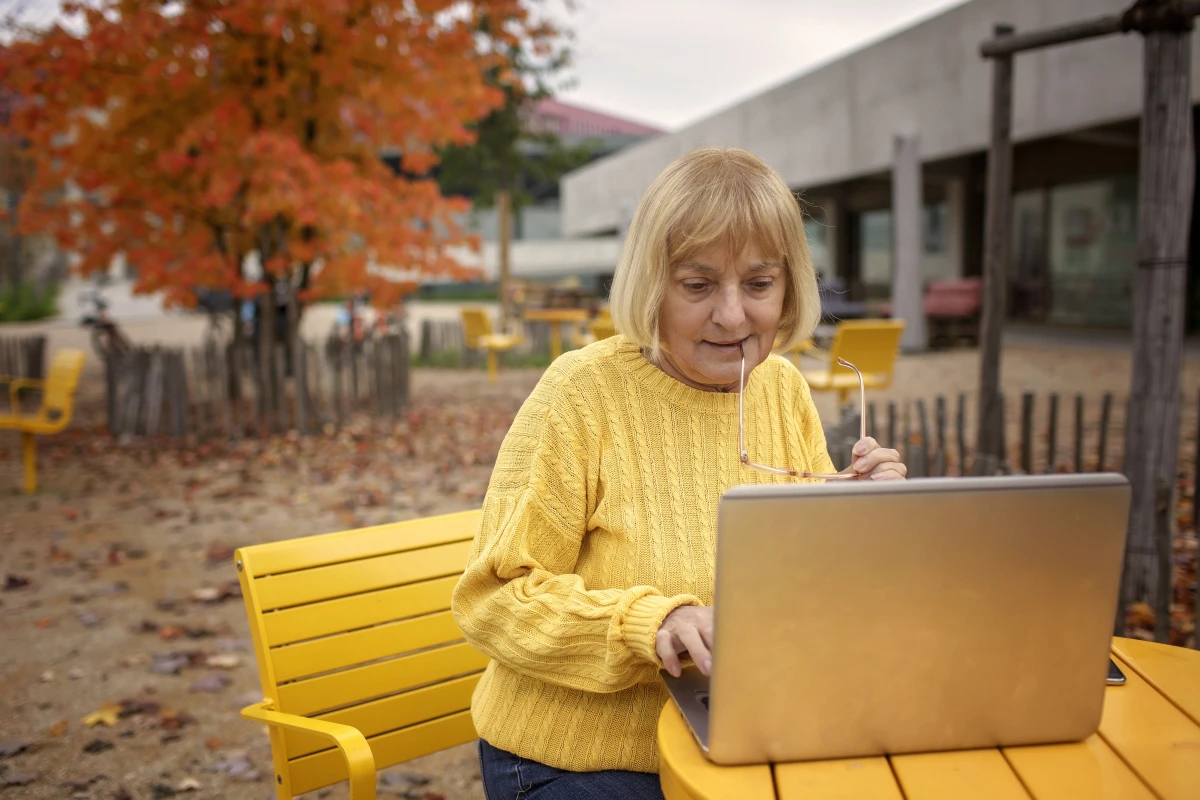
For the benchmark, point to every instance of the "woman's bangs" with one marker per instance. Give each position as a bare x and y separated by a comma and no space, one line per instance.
732,216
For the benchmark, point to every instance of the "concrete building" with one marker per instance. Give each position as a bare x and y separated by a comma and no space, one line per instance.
831,131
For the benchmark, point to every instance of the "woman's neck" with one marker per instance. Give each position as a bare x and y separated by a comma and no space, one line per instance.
664,363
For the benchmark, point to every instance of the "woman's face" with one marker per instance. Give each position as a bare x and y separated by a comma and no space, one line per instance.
717,305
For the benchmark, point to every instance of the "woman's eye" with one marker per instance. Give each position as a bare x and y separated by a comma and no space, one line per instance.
762,286
695,286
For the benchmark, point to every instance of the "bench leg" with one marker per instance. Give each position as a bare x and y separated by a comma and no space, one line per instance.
29,451
493,366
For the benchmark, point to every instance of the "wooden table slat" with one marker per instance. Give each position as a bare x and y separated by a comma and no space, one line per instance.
850,779
1087,770
686,773
1157,740
1173,671
977,774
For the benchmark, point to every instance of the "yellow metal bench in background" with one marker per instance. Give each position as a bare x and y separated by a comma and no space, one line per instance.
361,662
869,344
479,335
54,412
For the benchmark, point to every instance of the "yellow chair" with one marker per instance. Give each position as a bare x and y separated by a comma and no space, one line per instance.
478,333
361,662
869,344
54,414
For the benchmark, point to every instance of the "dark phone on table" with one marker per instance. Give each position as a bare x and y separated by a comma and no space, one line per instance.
1115,676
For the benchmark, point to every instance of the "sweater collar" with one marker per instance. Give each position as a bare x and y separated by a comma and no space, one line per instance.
640,369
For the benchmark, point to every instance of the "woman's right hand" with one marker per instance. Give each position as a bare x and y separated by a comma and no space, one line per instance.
687,629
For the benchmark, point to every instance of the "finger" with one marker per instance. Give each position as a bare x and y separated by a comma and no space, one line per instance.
875,458
695,644
889,472
665,647
862,447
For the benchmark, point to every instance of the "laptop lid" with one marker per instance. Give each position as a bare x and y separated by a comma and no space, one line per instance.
856,619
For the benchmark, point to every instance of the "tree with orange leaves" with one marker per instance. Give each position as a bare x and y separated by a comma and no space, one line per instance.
198,138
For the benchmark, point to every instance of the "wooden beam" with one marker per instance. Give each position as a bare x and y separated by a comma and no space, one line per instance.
1076,32
988,455
1166,176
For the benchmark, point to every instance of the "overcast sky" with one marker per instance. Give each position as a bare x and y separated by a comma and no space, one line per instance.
671,62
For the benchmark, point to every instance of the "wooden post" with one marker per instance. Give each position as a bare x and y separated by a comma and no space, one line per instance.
300,379
891,424
995,267
1052,438
961,431
1079,433
923,428
504,220
1027,400
1165,181
939,466
1102,446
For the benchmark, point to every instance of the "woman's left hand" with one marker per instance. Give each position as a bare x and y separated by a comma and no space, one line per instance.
872,462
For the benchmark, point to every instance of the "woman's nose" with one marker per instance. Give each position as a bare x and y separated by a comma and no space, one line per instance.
729,312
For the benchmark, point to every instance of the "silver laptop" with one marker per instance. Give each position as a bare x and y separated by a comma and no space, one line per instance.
859,619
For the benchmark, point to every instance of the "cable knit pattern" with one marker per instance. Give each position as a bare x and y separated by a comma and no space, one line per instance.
600,519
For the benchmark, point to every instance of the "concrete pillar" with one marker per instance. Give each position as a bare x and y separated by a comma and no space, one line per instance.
829,219
956,220
906,241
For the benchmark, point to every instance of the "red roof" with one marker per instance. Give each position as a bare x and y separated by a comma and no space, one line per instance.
570,120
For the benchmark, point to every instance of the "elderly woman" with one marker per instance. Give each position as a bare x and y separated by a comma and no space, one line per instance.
593,565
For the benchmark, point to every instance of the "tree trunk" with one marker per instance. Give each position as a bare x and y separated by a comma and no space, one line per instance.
266,351
504,220
1166,180
988,455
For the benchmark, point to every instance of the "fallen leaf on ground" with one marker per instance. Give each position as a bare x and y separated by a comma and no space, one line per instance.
188,785
12,747
17,779
172,719
211,683
14,582
46,676
59,728
97,746
224,661
106,715
45,622
122,794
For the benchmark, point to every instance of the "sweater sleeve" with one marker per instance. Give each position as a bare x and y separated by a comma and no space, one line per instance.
519,601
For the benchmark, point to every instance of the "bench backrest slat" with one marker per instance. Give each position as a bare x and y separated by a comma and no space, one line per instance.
355,627
869,344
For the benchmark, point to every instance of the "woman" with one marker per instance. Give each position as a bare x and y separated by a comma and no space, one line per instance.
593,566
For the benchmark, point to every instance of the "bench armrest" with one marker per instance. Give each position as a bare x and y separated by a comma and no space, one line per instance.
15,385
360,762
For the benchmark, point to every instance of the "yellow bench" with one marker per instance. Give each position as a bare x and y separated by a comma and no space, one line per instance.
478,333
54,413
361,662
869,344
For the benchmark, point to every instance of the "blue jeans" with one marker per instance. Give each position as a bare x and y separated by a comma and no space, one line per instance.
510,777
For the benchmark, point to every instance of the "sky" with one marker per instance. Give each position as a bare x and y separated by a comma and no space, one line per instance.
668,63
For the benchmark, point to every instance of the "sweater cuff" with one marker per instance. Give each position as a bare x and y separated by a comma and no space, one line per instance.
645,617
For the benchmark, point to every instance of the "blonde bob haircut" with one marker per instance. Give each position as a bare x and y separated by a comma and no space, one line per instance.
724,196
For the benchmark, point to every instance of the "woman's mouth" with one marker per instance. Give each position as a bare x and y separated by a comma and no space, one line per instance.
734,346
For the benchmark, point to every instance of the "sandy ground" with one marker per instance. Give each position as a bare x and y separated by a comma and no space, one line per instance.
116,573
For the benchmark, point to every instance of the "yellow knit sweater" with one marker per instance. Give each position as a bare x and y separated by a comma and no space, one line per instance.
599,520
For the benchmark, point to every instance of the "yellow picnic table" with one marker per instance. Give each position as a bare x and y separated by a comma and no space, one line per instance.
556,316
1148,747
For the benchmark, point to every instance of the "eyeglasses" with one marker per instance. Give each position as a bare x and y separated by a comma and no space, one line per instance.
745,456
